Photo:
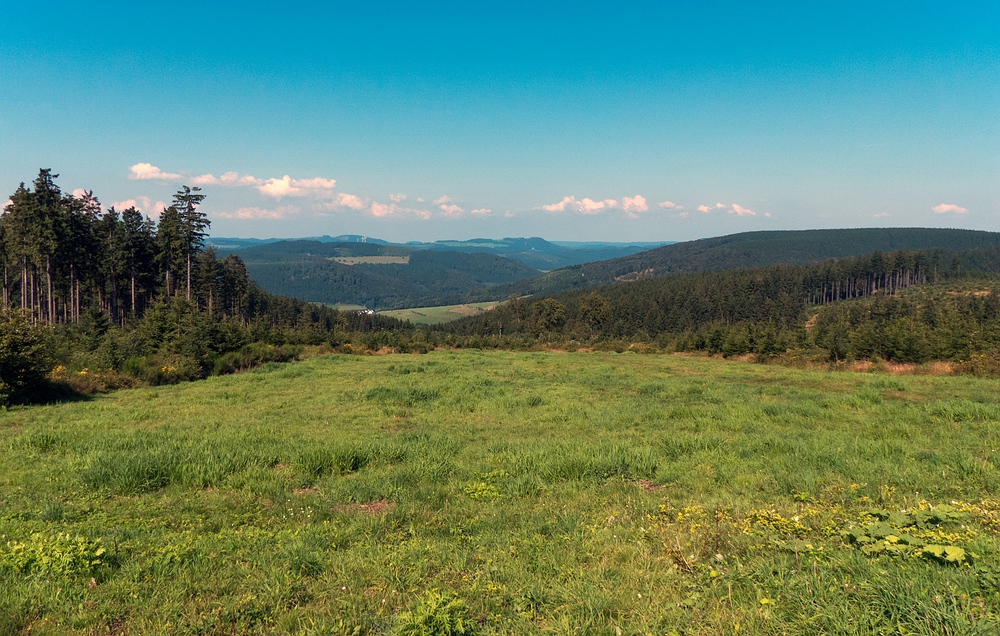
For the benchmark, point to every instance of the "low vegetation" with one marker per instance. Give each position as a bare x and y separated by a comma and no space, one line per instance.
468,492
440,314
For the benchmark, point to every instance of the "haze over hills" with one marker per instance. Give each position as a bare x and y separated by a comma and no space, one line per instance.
534,251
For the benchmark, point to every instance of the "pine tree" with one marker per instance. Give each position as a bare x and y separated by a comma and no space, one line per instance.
192,224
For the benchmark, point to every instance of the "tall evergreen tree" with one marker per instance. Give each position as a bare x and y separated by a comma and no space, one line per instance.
193,224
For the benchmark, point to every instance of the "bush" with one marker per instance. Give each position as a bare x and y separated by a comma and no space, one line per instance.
254,355
25,358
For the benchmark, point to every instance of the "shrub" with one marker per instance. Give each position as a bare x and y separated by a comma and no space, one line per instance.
25,358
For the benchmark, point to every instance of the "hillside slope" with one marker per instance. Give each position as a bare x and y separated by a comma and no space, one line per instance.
744,250
396,277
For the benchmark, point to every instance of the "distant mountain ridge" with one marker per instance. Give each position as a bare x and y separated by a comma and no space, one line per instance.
534,251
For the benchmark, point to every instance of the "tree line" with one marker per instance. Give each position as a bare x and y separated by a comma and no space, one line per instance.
856,307
112,296
63,254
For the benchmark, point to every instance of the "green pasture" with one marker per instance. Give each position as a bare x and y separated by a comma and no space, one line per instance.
507,493
439,314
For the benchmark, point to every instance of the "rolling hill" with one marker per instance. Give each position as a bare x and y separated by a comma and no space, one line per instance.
378,276
744,250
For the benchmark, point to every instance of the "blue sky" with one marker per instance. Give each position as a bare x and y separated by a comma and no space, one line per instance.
571,121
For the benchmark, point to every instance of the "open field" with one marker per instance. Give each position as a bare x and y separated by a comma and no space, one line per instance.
507,493
372,260
440,314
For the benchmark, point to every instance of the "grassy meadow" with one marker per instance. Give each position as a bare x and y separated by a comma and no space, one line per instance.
440,314
515,493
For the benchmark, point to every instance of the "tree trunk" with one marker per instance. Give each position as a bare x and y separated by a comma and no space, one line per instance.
48,284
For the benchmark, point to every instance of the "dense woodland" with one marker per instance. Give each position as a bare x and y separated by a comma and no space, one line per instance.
745,251
901,306
89,290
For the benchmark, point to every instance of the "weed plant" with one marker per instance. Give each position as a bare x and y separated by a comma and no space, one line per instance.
469,492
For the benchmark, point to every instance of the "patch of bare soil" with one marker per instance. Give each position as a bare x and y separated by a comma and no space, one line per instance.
370,507
647,485
464,310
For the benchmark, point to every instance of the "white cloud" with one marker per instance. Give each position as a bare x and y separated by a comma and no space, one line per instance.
881,215
233,179
442,201
278,188
669,205
451,209
288,187
146,171
583,206
143,204
684,215
586,206
206,179
635,204
481,212
380,210
507,214
352,201
79,193
735,208
254,213
949,208
566,202
237,179
398,197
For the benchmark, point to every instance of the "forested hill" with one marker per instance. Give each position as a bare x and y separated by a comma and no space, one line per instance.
746,250
377,276
765,310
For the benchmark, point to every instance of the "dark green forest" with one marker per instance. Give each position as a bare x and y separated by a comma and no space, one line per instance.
904,306
111,298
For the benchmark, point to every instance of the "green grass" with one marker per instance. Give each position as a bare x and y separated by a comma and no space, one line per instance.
437,315
494,492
